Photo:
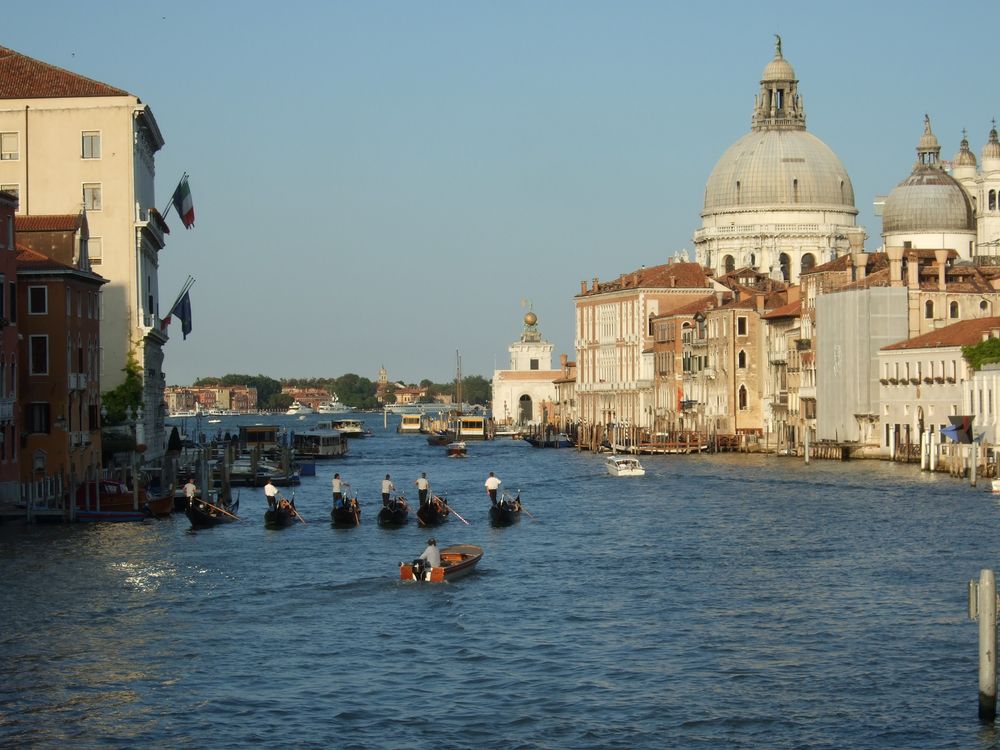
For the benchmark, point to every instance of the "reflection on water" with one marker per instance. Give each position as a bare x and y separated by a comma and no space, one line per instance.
717,601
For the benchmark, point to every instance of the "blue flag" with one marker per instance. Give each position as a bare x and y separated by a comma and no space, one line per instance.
183,311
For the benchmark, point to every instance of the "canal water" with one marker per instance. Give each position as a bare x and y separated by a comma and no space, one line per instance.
719,601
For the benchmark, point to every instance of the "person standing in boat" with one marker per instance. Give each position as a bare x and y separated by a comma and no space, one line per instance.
492,485
387,489
271,493
190,490
431,555
423,487
338,490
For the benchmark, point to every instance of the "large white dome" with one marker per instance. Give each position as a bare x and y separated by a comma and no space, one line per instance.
778,169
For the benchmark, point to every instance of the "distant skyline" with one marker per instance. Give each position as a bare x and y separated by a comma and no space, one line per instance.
383,183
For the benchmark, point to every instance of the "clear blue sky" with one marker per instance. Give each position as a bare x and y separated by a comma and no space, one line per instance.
384,182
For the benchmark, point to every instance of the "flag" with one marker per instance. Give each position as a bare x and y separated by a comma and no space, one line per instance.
183,312
183,203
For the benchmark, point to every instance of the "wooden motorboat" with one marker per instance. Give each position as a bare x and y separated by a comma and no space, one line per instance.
160,506
624,466
203,515
117,502
457,560
506,510
282,515
395,512
348,513
433,513
457,449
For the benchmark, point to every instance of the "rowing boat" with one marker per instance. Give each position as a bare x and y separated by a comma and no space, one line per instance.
456,561
506,510
395,512
433,513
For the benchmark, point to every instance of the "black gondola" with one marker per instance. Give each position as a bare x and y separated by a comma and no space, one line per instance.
348,513
284,514
202,515
394,512
433,513
441,437
506,510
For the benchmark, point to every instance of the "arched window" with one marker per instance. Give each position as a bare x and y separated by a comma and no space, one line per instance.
929,309
524,409
728,264
737,192
984,306
784,262
753,260
741,359
743,398
795,191
953,310
808,261
993,200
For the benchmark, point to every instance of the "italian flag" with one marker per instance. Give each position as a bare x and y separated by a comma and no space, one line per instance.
183,203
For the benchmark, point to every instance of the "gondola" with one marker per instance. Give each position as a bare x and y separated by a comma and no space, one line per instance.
202,516
457,560
158,505
282,515
506,510
347,514
441,437
433,513
396,512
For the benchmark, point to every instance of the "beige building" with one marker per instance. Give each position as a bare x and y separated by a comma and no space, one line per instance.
525,393
68,141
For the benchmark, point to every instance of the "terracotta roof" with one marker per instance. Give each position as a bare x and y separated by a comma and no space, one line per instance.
791,310
684,275
36,260
963,333
23,77
48,223
699,305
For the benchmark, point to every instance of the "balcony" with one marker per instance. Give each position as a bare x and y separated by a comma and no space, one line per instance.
779,399
803,344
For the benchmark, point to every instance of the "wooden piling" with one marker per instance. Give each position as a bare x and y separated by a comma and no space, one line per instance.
985,606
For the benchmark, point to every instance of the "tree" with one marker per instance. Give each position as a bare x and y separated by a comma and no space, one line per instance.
476,390
356,391
983,353
277,401
129,393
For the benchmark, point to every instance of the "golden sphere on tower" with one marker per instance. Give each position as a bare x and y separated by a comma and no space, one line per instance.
530,319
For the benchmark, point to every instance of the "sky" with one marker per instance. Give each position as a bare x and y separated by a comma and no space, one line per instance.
389,183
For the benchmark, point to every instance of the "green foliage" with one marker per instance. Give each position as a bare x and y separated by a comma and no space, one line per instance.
355,391
476,390
266,387
129,393
277,401
983,353
113,442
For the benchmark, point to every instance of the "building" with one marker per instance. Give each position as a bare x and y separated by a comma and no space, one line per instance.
59,382
778,200
521,394
9,355
614,339
69,141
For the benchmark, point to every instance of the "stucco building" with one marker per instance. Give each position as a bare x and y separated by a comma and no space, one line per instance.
525,393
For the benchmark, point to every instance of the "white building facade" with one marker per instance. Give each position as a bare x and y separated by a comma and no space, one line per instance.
522,393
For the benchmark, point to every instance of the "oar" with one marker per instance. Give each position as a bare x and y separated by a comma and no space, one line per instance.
221,510
523,508
452,510
294,510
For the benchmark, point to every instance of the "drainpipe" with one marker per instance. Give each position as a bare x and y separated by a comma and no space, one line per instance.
27,192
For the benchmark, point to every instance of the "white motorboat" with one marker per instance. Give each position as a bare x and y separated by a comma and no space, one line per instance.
299,408
624,466
333,406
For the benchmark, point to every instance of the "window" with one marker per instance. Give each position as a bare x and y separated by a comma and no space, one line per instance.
38,418
13,188
741,326
953,310
929,309
12,288
38,300
743,398
91,146
95,250
92,196
8,147
38,351
533,364
741,360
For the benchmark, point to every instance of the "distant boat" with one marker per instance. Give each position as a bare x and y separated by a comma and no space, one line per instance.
299,408
457,449
333,406
624,466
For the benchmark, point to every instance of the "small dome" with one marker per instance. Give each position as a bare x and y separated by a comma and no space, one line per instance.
929,200
964,157
928,141
779,69
992,148
530,319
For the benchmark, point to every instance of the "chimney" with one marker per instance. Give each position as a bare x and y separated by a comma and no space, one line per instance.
913,272
895,265
860,265
563,359
759,303
595,284
673,282
941,256
583,287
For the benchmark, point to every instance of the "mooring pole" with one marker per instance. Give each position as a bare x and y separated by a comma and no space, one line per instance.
983,606
923,451
975,461
807,445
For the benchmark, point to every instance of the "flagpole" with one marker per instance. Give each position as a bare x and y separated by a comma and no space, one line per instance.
170,203
184,290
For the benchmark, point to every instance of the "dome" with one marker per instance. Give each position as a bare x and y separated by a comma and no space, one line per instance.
992,148
930,199
964,157
779,69
776,168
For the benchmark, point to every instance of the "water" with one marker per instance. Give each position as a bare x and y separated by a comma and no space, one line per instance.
726,601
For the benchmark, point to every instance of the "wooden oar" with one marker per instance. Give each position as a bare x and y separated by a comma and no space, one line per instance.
452,510
221,510
294,510
522,507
